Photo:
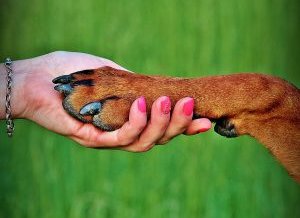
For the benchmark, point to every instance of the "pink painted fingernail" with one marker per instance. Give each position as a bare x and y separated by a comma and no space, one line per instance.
165,105
188,107
142,104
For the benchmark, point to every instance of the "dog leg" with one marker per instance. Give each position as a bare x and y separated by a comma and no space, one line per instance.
264,107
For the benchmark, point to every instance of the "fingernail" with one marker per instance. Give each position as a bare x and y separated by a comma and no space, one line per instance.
203,130
188,107
205,125
165,105
142,104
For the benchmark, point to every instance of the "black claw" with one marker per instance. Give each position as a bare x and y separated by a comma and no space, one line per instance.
225,128
90,109
62,79
66,89
85,82
86,72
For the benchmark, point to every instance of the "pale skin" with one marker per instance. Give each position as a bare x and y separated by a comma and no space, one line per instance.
34,98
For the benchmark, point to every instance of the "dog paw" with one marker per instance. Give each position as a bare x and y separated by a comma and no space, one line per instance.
90,98
225,128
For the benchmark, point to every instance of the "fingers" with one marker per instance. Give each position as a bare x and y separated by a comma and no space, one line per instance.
181,121
136,124
181,118
160,117
198,126
127,134
161,130
138,136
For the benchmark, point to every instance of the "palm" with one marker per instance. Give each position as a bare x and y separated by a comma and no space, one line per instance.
45,100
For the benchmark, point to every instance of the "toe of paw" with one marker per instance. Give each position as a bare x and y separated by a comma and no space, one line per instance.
70,110
90,109
225,128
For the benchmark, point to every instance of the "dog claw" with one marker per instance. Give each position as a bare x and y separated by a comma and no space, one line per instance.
66,89
62,79
90,109
225,128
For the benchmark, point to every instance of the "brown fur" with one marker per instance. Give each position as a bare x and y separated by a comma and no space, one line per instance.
264,107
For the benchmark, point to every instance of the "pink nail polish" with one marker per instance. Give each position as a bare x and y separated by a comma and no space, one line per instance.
165,105
142,104
188,107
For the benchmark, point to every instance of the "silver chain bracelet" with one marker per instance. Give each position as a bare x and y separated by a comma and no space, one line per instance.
9,121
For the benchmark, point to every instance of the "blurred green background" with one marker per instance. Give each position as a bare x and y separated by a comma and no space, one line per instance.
46,175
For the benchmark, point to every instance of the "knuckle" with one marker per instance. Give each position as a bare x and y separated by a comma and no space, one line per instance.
177,129
165,126
164,141
139,128
180,129
145,147
160,127
126,141
181,124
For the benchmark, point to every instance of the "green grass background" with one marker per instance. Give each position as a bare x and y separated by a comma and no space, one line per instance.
46,175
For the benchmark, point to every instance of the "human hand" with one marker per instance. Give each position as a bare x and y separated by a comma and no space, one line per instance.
42,104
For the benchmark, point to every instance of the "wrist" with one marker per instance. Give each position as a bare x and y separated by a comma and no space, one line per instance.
18,100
